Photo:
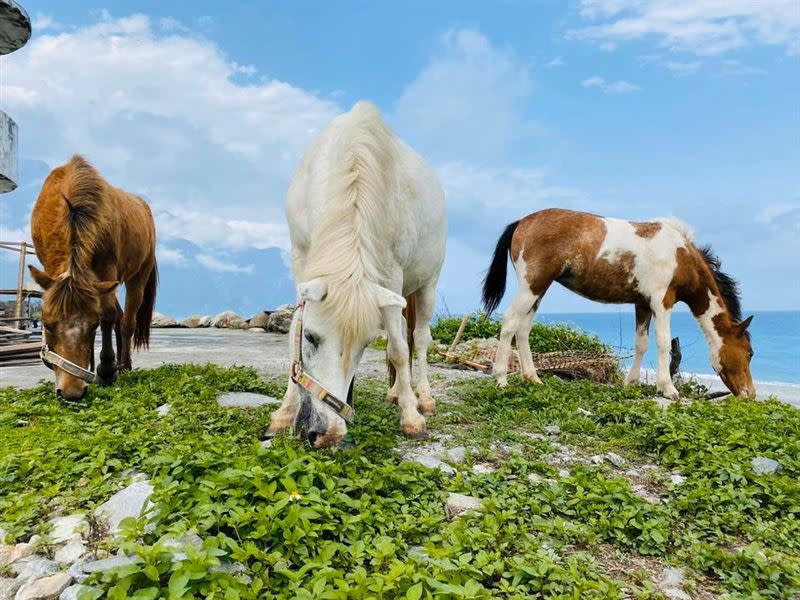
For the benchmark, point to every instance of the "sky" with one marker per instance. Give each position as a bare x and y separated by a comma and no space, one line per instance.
628,108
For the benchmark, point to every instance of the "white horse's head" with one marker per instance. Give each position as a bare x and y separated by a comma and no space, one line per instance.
337,326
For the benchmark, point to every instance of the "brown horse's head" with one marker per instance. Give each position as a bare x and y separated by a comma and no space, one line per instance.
734,359
70,316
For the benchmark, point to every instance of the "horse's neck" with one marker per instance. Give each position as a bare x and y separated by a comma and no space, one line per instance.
711,314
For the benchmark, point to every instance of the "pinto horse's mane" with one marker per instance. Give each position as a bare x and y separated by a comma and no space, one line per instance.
82,189
345,247
728,286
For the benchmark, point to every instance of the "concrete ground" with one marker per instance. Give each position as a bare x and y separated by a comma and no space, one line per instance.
270,354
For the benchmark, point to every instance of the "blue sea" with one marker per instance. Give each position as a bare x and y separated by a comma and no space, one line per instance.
776,340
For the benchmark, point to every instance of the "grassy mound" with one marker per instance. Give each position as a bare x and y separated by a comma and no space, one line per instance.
361,523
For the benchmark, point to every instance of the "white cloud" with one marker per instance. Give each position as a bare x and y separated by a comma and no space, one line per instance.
214,264
170,256
42,21
556,62
160,111
703,27
468,102
610,87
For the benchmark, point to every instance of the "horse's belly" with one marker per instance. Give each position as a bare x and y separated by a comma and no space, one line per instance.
604,282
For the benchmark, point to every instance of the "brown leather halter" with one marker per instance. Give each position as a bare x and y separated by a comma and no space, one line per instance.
300,377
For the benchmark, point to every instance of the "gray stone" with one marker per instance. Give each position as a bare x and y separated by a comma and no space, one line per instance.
671,584
245,400
34,566
615,459
563,472
258,320
483,468
70,553
44,588
643,493
106,564
419,553
228,320
128,502
552,429
281,320
9,587
160,321
535,478
765,466
163,410
677,479
457,455
181,544
429,461
63,529
76,569
458,504
73,592
266,443
11,554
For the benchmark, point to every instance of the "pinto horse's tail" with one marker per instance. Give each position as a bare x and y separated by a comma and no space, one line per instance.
494,284
410,314
144,316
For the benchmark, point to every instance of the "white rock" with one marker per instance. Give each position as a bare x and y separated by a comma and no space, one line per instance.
13,553
205,321
3,535
457,455
597,459
458,504
583,411
245,400
9,587
228,319
764,466
106,564
615,459
163,410
266,443
552,429
429,461
677,479
33,566
563,472
671,584
419,552
663,403
643,493
535,478
483,468
70,553
180,545
44,588
73,592
128,502
63,529
160,320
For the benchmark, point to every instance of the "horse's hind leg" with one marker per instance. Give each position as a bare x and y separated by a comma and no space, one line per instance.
109,319
643,315
663,380
134,295
426,300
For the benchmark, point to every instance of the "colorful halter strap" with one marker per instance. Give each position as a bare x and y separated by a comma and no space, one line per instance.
51,360
300,377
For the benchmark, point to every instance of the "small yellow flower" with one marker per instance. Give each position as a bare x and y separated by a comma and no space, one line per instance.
295,496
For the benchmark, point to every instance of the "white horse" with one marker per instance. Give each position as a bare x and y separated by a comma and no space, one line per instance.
367,222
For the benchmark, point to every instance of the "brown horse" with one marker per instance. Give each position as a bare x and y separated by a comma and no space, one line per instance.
90,237
652,265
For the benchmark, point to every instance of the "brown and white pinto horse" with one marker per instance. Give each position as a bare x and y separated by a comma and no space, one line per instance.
652,265
90,237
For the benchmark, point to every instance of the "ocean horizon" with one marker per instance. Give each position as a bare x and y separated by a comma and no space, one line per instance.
775,338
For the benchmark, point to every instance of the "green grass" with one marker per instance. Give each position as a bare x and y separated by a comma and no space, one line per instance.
361,510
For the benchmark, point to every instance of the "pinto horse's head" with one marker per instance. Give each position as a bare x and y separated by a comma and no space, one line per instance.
734,359
328,336
70,316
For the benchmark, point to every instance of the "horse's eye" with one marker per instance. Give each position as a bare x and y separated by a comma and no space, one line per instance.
751,354
312,339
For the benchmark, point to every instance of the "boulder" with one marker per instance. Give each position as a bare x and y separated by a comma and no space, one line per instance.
552,429
205,321
245,400
70,553
458,504
63,529
260,319
73,592
163,410
281,320
44,588
160,320
128,502
105,564
671,584
13,553
228,320
34,566
615,459
764,466
9,587
483,468
193,321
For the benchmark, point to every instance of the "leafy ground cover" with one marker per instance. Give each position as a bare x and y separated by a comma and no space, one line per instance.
364,523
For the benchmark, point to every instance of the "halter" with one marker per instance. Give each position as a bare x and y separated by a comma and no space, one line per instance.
51,360
300,377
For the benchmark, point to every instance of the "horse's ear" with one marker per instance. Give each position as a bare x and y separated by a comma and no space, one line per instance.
387,297
106,287
314,290
40,277
745,324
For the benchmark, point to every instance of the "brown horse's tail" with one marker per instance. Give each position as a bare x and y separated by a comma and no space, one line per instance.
410,314
144,316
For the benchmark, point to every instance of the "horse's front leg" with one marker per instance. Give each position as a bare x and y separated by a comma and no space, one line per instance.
663,380
284,418
426,299
109,318
412,422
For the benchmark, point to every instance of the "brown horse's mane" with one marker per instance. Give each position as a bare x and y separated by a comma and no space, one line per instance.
728,286
83,190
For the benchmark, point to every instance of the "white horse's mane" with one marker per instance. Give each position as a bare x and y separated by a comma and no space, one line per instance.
345,247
